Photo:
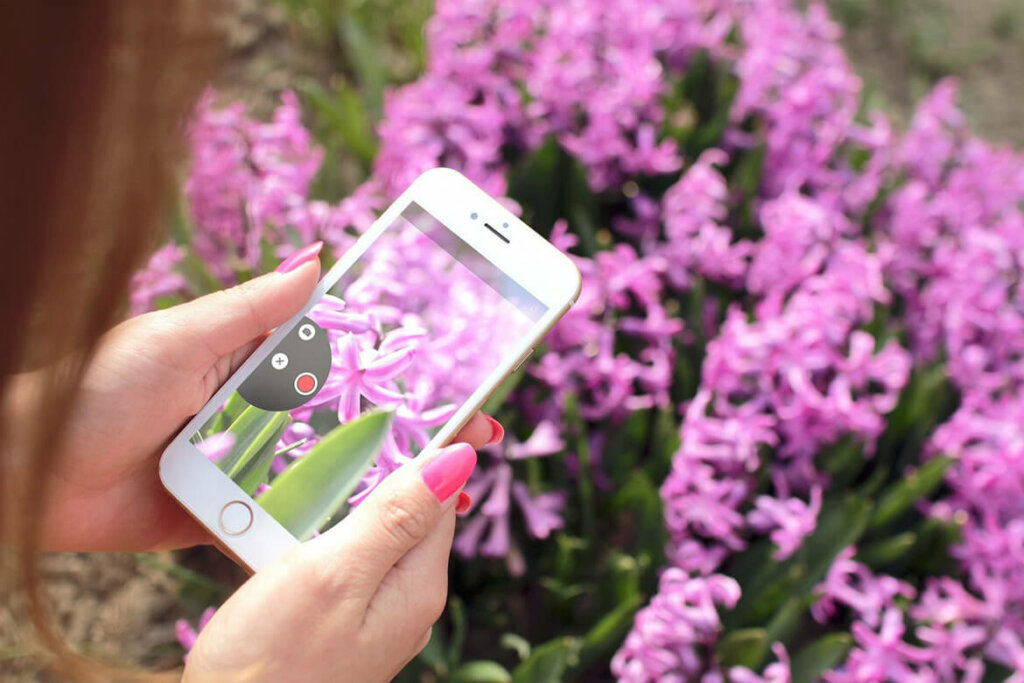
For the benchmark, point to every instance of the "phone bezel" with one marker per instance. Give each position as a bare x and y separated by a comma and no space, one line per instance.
530,260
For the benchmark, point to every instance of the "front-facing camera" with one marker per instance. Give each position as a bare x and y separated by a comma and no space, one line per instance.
473,215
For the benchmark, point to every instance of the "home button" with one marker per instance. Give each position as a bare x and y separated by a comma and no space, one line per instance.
235,518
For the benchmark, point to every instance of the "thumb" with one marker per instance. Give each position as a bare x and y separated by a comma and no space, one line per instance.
223,321
398,515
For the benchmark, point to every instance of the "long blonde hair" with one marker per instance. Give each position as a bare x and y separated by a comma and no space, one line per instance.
96,96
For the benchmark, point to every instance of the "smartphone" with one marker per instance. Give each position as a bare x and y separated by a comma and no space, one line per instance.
403,340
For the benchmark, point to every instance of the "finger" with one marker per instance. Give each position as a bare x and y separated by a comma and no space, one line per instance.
480,431
397,516
416,587
221,322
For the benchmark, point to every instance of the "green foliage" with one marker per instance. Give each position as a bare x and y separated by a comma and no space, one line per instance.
899,498
253,469
549,662
254,432
551,185
743,647
706,92
820,656
369,46
315,487
481,672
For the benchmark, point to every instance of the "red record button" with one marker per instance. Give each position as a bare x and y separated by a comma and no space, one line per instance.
305,384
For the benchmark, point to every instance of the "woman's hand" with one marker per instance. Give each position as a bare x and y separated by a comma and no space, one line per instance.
355,604
149,375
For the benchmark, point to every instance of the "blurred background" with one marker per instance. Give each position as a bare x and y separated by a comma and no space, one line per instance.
340,57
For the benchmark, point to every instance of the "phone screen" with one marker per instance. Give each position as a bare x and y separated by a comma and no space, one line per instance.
396,346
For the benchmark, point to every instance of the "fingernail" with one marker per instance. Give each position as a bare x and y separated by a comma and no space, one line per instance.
465,502
448,470
497,431
304,255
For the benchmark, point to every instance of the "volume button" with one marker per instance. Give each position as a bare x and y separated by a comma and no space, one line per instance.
522,360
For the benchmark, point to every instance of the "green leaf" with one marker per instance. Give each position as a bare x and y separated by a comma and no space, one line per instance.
583,210
839,525
561,590
516,643
746,176
930,554
539,185
362,54
433,655
627,572
291,447
315,487
821,655
345,117
786,621
548,663
234,407
457,615
843,462
638,503
200,278
899,497
252,470
768,584
253,429
481,672
744,647
887,551
995,673
551,184
711,88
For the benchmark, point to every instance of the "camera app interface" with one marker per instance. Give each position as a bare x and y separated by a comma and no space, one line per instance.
369,375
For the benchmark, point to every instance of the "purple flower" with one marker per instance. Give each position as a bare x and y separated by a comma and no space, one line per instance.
673,637
697,240
881,654
789,521
248,182
187,635
216,446
493,490
582,358
776,672
852,584
158,279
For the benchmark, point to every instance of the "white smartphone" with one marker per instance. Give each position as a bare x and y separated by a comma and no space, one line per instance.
401,343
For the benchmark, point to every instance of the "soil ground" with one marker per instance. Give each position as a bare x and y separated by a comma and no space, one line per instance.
901,47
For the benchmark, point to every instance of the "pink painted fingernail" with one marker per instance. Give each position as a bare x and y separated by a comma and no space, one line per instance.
304,255
497,431
449,469
465,502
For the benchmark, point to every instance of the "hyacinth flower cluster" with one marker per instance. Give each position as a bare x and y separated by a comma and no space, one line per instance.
782,276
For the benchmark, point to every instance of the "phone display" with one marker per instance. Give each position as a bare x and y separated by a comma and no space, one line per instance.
391,352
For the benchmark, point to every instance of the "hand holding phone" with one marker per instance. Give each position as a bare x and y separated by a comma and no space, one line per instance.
148,376
401,343
362,597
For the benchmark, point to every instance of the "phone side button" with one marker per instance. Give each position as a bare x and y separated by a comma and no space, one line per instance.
522,360
235,518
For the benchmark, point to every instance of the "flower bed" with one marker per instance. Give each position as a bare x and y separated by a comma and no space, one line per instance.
780,435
